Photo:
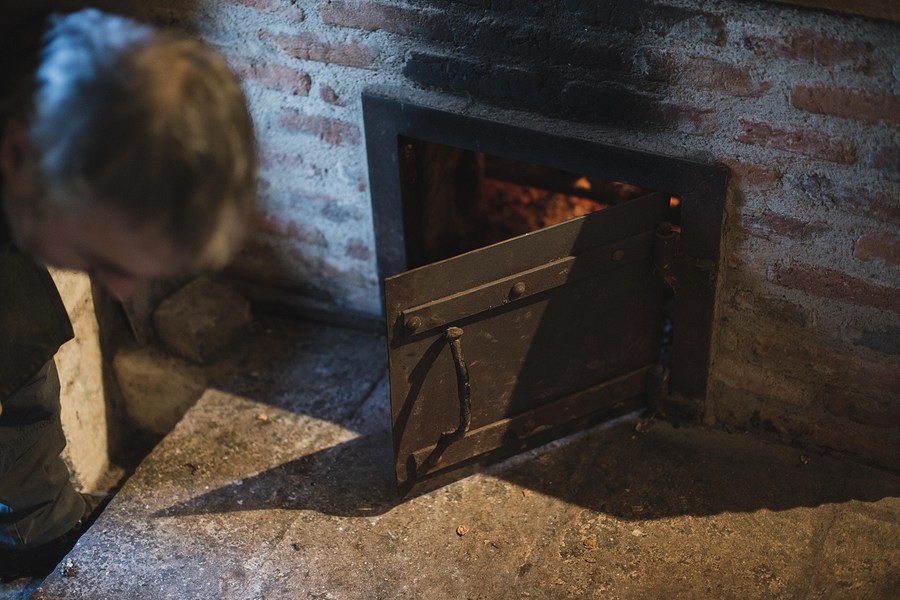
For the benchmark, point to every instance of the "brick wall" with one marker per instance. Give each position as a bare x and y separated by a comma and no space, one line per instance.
803,106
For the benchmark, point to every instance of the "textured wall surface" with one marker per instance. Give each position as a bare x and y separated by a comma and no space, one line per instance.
802,105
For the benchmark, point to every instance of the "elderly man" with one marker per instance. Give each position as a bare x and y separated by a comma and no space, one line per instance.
127,153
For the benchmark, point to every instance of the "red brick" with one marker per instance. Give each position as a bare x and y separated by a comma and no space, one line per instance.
269,158
884,339
751,177
281,7
859,408
876,200
358,249
701,27
860,105
372,16
746,410
829,283
521,85
328,130
706,73
762,380
811,46
691,119
265,259
808,142
881,206
736,407
886,158
308,46
768,223
289,229
755,304
883,246
273,76
716,75
330,96
795,353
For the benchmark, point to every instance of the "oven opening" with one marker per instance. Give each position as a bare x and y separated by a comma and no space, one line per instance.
457,200
534,282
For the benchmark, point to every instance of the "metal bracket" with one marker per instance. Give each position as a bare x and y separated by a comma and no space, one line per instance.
440,312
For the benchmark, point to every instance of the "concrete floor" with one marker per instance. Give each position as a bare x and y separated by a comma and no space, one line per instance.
279,484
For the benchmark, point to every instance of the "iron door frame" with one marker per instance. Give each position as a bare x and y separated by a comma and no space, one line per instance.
388,117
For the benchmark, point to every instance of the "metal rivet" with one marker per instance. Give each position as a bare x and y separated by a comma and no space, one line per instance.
618,255
413,324
517,290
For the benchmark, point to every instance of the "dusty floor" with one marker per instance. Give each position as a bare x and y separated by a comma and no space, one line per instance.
278,484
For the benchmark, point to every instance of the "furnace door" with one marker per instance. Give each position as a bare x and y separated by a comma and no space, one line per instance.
508,346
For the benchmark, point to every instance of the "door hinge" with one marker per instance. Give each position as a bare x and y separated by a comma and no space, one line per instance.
664,242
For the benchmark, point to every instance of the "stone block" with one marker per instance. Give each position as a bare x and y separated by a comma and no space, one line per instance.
157,388
200,321
82,396
139,306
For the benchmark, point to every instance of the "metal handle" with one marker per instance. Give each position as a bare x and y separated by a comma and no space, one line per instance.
464,390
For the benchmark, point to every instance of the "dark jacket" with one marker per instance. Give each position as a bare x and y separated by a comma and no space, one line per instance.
33,320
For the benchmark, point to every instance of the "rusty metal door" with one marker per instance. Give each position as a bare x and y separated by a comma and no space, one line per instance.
510,345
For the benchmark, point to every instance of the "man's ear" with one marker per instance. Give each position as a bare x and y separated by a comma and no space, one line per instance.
15,162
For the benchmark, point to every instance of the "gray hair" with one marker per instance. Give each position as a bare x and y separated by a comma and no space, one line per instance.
151,123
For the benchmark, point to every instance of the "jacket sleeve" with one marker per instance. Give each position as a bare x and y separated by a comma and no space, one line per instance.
33,320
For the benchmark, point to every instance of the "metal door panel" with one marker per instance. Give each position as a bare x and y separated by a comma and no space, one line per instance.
556,325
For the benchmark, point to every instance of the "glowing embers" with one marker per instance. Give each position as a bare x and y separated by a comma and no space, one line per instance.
461,200
512,208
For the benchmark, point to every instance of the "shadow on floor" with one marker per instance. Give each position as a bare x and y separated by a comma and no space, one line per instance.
354,478
662,472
